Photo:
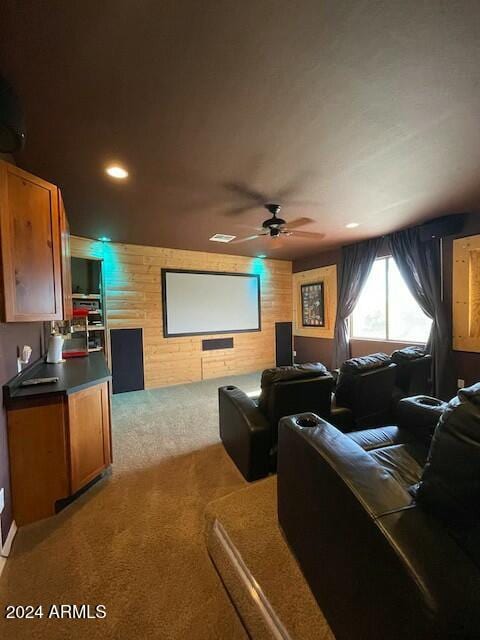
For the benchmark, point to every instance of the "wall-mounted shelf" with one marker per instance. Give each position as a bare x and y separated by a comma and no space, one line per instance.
88,294
84,296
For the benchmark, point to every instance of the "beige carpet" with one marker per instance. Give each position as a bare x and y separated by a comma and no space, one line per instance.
249,524
134,542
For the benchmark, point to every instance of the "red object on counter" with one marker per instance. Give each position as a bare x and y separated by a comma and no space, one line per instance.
74,354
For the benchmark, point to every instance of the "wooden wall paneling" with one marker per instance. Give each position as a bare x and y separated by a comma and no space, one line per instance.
327,275
466,294
133,300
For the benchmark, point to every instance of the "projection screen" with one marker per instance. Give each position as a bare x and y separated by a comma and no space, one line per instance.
205,302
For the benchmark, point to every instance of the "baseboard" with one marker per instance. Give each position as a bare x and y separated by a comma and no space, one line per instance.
262,607
5,552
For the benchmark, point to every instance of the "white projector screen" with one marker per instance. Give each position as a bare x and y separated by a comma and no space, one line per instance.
200,302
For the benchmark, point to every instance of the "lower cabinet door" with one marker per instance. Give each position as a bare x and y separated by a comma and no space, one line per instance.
89,418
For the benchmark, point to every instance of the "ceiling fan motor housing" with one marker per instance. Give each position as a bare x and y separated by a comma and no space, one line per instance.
273,222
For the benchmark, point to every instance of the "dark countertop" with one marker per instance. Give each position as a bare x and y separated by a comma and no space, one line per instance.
74,375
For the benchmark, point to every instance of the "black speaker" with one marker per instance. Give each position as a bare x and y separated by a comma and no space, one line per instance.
127,360
12,120
283,344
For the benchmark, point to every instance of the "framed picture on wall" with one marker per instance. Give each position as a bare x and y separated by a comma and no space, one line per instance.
313,305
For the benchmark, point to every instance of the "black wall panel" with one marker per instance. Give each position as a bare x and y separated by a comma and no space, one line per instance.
127,360
217,343
283,344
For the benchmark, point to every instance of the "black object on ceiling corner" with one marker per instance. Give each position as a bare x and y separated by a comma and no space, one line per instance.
12,119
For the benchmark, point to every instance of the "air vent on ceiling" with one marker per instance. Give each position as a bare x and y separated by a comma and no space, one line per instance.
222,237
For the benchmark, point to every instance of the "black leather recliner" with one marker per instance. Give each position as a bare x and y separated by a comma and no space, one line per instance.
414,371
388,544
365,388
249,426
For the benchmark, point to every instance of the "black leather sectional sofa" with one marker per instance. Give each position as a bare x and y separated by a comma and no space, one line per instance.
249,426
385,523
363,394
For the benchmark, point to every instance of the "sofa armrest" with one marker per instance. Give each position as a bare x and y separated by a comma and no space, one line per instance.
419,414
245,432
365,549
306,441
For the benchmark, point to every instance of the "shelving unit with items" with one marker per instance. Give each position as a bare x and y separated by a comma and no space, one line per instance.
89,300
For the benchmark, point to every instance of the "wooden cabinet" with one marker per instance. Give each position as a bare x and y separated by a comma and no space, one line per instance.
57,445
34,247
39,470
89,430
66,260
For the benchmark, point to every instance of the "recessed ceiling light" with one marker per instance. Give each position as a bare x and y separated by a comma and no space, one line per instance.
222,237
117,172
352,225
262,255
105,239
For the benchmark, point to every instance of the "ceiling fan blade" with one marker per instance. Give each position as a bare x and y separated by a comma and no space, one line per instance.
249,226
299,222
308,234
236,211
247,239
241,189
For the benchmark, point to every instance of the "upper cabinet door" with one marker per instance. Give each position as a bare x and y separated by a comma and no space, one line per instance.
30,242
66,260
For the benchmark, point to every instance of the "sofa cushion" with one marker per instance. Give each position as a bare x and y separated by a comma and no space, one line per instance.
379,437
351,369
450,483
403,461
364,363
294,372
408,353
285,374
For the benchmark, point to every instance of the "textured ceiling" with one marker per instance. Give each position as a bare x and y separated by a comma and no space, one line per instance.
341,110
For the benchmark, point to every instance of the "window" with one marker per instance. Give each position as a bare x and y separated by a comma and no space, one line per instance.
386,309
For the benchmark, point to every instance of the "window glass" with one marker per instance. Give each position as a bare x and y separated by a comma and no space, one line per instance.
369,318
406,321
386,309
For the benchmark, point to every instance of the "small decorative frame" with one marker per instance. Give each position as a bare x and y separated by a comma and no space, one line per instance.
313,305
328,277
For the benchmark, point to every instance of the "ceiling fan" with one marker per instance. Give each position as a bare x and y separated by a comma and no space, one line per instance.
276,228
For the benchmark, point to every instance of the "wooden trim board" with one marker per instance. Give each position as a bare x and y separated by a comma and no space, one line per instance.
466,294
7,547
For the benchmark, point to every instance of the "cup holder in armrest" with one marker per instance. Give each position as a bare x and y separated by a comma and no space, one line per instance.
429,402
307,422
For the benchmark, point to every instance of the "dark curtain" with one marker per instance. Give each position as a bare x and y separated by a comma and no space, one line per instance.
420,264
357,261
